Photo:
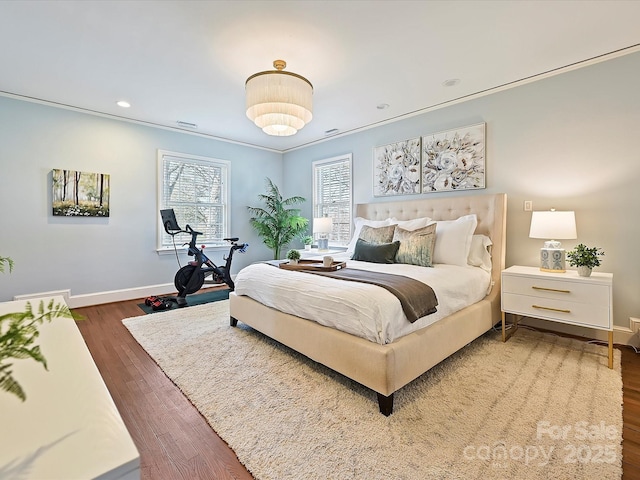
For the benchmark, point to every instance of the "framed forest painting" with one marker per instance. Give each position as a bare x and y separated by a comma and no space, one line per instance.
80,194
454,159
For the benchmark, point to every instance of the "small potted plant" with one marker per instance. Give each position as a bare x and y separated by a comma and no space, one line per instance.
293,256
307,240
585,258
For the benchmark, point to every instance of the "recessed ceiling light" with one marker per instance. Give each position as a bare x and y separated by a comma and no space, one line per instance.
382,106
452,82
123,104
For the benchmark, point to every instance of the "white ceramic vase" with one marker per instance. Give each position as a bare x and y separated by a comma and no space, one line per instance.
584,271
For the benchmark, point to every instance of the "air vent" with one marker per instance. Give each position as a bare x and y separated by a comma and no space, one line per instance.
333,131
186,124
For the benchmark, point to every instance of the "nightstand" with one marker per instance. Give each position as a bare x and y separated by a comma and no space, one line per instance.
559,297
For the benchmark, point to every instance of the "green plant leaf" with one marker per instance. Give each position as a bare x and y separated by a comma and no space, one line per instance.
8,261
9,384
18,333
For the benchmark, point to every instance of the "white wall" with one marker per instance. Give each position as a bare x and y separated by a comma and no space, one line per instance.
568,142
91,255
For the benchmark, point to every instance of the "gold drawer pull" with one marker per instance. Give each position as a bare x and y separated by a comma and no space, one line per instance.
550,289
552,309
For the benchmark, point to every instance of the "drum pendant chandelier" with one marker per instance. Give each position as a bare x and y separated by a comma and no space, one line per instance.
279,102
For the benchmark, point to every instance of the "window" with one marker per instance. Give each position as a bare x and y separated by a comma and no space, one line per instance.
332,195
197,188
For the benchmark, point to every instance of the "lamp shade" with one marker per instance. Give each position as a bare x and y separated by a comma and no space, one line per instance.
322,225
553,225
279,102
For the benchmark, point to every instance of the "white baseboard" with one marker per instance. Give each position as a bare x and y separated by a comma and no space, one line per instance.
621,335
77,301
57,293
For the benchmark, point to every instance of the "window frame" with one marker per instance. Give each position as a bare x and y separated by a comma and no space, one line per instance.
317,208
181,238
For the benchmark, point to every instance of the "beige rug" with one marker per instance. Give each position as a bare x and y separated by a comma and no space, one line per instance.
538,406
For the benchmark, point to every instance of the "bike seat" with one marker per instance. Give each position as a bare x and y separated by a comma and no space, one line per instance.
233,239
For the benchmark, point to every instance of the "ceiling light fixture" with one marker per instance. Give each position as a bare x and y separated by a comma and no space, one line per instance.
279,102
123,104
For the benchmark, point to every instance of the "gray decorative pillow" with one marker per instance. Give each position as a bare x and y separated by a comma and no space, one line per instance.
416,246
377,235
381,253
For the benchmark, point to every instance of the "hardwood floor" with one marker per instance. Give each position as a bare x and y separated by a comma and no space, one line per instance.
176,442
630,414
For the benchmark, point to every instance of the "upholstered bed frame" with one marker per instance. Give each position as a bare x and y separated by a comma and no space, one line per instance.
387,368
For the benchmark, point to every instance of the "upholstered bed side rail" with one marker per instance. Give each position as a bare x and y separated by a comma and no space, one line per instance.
414,354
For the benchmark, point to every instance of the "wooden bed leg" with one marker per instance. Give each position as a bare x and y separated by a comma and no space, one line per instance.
385,404
233,321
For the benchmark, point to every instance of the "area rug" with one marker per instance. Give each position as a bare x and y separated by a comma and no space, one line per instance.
192,300
536,407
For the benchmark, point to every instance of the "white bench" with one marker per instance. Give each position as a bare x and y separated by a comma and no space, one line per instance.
69,426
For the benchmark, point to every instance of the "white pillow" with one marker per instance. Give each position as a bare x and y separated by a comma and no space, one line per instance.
453,240
479,254
412,224
359,223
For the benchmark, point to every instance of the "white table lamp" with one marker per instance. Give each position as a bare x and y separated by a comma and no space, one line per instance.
322,227
553,225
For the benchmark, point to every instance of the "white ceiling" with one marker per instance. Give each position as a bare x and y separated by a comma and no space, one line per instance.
188,60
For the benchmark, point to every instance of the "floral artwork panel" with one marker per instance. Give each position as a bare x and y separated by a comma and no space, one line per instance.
80,194
397,168
454,160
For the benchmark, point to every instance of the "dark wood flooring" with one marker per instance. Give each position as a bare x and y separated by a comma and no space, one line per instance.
176,442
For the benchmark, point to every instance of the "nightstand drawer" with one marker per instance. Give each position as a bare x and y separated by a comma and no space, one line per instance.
578,313
562,290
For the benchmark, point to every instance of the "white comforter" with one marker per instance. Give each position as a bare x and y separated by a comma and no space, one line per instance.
361,309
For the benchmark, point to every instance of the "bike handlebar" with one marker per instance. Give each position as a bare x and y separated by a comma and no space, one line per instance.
242,248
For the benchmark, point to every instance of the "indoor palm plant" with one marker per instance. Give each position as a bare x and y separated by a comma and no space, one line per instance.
585,258
277,222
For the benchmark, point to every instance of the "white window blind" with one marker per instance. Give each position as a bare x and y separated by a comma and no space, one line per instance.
197,190
332,195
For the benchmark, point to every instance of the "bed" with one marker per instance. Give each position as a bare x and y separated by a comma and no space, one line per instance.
388,363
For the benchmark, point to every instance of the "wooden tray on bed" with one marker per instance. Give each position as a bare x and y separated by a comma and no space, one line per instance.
313,265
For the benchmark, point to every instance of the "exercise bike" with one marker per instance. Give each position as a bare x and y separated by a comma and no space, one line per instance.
190,278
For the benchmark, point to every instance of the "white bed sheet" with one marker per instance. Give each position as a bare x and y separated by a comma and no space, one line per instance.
361,309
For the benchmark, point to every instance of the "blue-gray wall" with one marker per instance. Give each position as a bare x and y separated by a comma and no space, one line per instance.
568,142
89,255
